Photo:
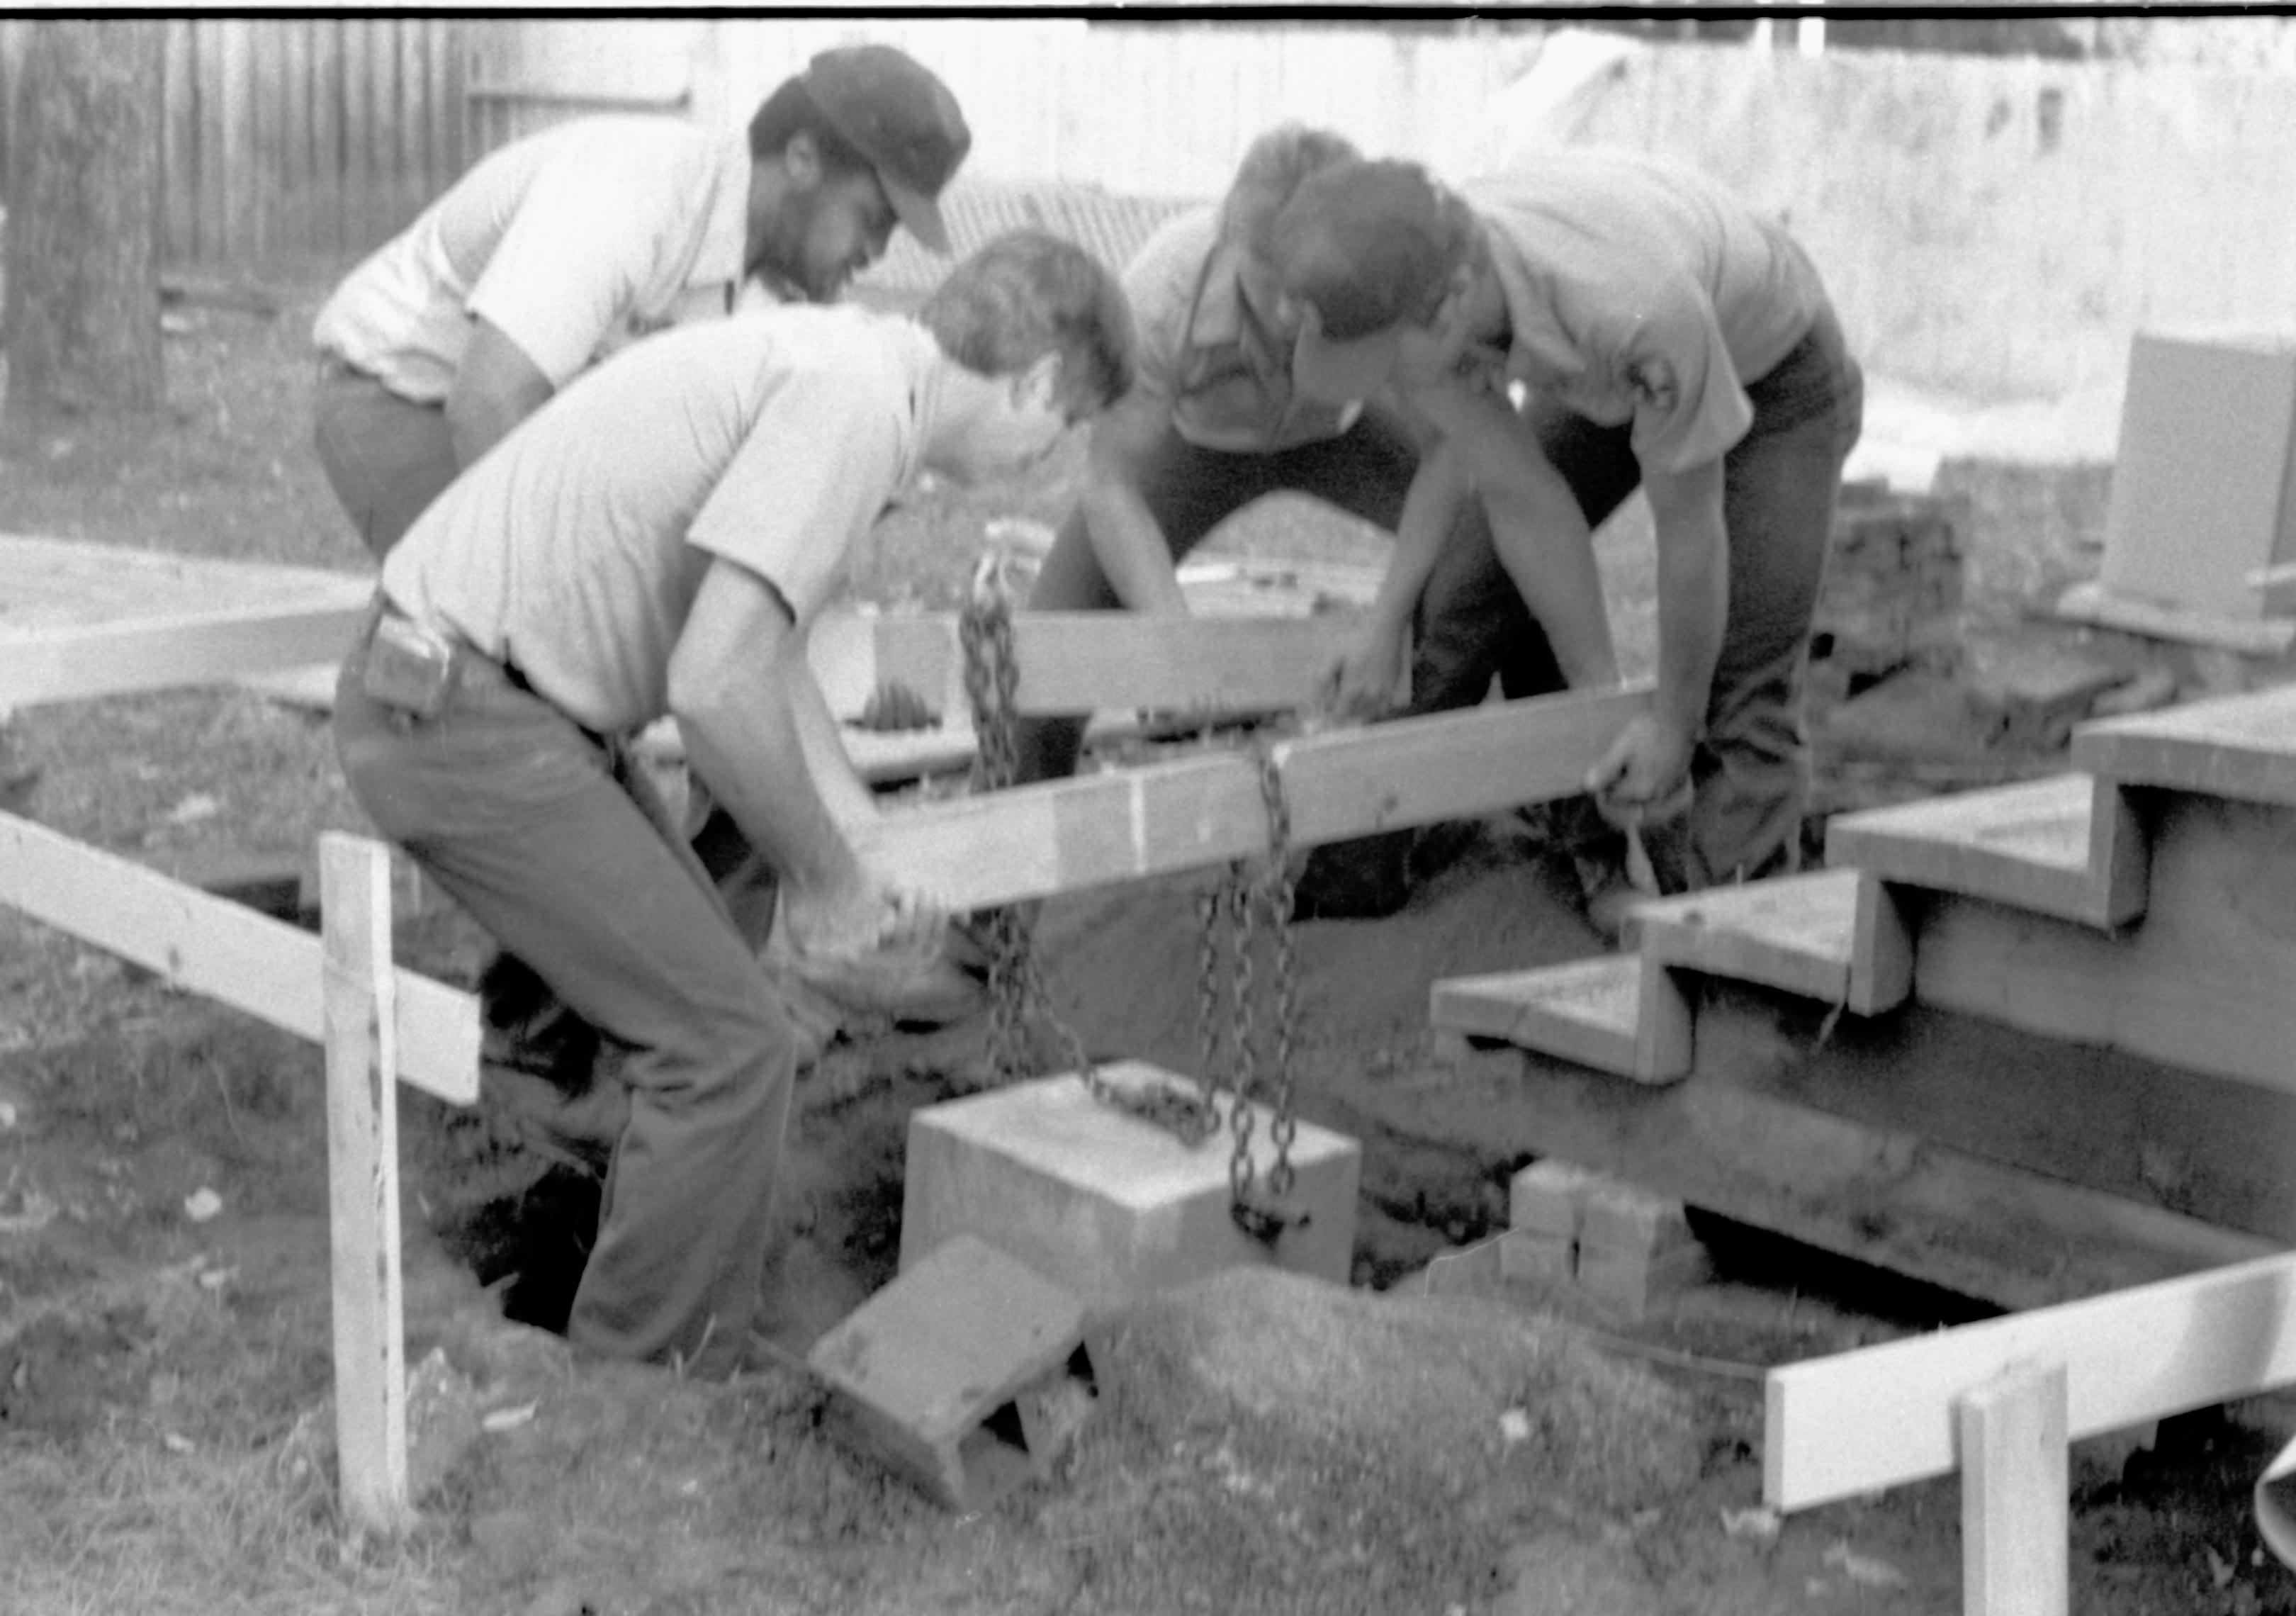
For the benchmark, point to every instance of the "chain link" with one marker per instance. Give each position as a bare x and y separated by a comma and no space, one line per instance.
1017,994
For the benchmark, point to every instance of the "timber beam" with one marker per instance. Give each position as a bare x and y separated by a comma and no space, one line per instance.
67,662
1085,661
224,951
1160,818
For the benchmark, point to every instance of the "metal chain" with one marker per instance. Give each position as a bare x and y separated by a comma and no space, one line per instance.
1016,988
1276,896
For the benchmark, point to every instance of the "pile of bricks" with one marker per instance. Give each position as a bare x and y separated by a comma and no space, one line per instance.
1893,590
1621,1247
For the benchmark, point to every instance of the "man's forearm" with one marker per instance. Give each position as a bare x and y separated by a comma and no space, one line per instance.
1694,590
1130,545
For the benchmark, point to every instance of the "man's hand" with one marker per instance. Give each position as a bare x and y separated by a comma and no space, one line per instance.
1644,778
1362,685
863,918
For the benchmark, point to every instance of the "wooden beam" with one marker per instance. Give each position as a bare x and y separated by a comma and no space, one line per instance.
2067,845
62,663
1880,1416
2016,1513
361,1042
223,950
1066,835
2243,747
1083,661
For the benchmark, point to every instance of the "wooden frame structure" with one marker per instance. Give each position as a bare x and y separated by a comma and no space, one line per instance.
379,1025
1998,1401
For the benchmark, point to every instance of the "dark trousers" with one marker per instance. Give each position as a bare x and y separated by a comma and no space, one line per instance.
1463,636
531,824
1750,769
386,457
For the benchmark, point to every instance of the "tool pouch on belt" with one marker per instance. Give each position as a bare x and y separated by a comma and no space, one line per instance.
411,667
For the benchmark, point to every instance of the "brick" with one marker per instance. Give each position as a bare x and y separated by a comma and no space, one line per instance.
1543,1258
1549,1197
1106,1205
969,1373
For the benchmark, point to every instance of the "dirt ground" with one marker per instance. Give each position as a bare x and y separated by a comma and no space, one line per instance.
1427,1439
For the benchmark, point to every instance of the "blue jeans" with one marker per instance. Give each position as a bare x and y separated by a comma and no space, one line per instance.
526,821
1750,770
1465,634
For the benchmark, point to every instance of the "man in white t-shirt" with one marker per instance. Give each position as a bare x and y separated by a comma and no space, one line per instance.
657,540
557,247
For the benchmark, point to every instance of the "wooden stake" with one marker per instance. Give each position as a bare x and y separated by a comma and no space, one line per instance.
363,1181
2015,1509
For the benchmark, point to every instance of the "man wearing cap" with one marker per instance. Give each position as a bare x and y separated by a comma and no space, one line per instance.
1215,423
1590,324
556,247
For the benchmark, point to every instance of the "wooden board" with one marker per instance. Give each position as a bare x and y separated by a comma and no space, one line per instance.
2208,981
1611,1011
1067,836
1085,661
368,1314
1831,935
2243,747
2068,845
1880,1416
2015,1481
87,619
224,951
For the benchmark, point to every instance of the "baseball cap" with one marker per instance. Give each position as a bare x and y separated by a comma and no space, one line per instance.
1364,247
898,113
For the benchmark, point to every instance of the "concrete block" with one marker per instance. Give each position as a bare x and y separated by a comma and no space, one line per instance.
1634,1247
1549,1197
969,1372
1543,1258
1106,1205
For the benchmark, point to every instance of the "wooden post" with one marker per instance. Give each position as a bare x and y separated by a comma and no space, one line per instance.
2016,1508
361,1044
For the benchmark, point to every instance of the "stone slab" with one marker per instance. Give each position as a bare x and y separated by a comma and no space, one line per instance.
1106,1205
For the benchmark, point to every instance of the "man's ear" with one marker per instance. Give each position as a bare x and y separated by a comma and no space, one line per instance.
801,161
1038,387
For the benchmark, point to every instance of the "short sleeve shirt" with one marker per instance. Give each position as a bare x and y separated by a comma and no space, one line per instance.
573,550
572,240
1640,292
1202,346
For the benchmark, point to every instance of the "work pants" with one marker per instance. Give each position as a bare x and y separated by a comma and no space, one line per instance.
526,821
1750,769
386,457
1465,633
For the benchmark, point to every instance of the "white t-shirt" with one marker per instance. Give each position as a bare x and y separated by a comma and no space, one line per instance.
573,550
572,240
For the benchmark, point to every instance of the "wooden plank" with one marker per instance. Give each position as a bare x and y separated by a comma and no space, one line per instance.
2091,604
2243,747
2206,982
370,1341
2016,1514
1082,661
1067,836
1794,932
1616,1013
2066,845
1880,1416
107,658
224,951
